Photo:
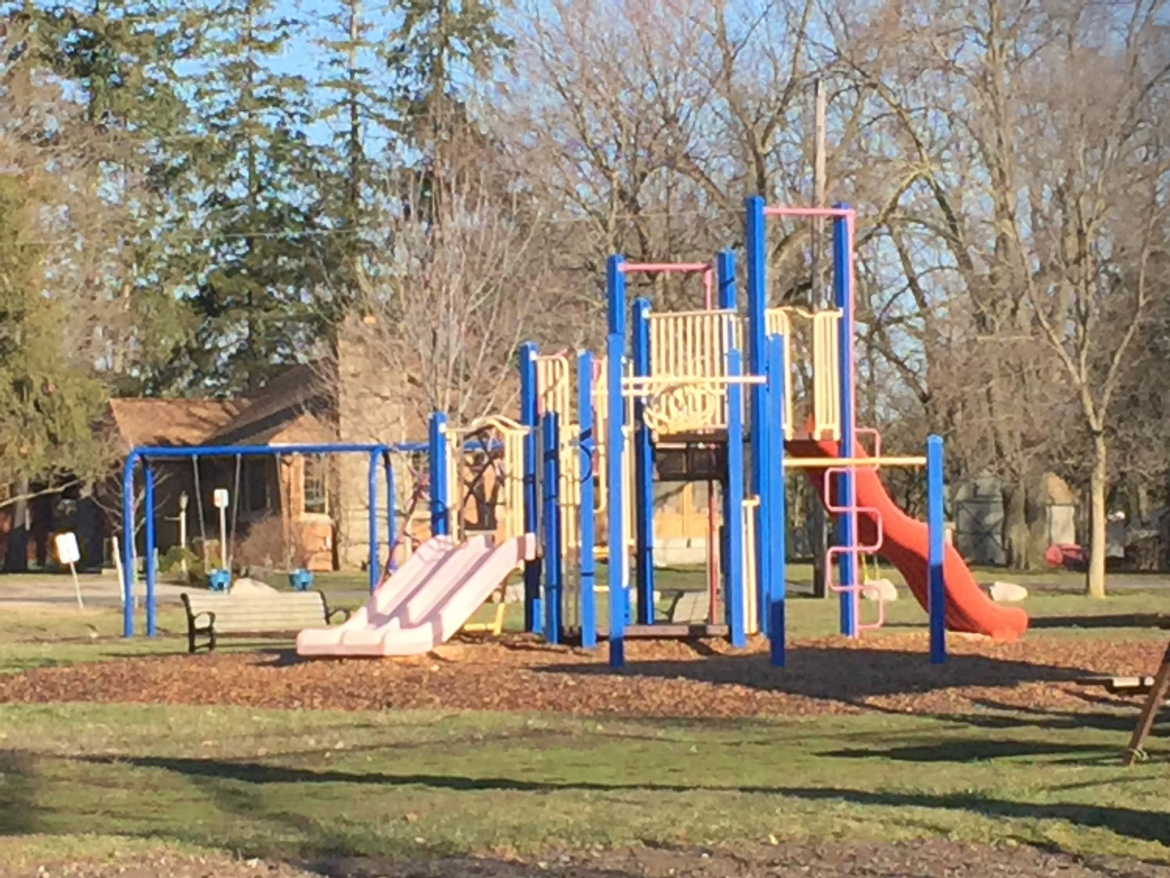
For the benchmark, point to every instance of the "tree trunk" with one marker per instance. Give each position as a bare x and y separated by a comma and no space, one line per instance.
1015,524
819,524
16,556
1095,578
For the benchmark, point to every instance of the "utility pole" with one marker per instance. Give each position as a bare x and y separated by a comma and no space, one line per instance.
817,517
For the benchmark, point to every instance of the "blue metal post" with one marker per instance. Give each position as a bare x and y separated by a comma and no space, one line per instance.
846,483
391,509
372,498
763,511
588,537
643,471
128,545
615,421
937,596
151,566
437,442
551,489
529,409
615,296
777,502
733,565
757,304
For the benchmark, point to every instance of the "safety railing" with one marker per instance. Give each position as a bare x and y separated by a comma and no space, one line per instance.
688,357
509,508
823,341
553,391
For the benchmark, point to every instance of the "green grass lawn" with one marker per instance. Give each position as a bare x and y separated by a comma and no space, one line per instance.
405,784
89,780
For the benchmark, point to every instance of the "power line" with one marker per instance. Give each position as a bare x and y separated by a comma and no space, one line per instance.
353,230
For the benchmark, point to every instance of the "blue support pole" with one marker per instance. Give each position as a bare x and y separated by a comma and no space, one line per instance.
643,471
846,482
615,296
936,595
763,510
151,566
733,565
437,442
372,525
777,503
551,490
391,509
757,303
587,448
615,419
128,544
529,414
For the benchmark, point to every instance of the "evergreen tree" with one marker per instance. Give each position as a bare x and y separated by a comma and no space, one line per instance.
49,402
251,183
118,58
358,110
439,47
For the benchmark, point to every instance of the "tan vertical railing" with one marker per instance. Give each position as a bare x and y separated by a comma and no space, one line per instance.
826,399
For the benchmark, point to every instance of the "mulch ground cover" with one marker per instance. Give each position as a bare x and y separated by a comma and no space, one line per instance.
921,859
662,679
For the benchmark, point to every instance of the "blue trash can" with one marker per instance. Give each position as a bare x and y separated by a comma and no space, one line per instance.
300,580
219,580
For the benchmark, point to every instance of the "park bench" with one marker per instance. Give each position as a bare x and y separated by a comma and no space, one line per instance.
688,607
212,615
1122,685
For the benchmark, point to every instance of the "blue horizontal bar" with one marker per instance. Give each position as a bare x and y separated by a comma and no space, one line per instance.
184,451
164,451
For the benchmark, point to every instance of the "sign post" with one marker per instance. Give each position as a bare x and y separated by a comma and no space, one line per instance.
69,553
220,498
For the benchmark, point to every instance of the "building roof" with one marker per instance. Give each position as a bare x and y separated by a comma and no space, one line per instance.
171,421
290,407
293,407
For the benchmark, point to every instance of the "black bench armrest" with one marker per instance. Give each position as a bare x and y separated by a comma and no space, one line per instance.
193,629
330,613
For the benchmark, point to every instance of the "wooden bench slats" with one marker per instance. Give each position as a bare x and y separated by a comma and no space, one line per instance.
266,613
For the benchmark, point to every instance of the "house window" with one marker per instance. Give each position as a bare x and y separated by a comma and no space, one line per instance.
256,484
316,495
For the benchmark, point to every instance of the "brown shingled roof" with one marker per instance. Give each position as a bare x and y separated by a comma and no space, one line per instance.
296,398
171,421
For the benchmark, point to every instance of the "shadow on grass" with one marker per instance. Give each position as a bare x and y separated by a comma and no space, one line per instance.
18,792
1114,620
980,750
1129,822
840,674
461,867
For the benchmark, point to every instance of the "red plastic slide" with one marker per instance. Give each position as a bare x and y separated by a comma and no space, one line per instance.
904,544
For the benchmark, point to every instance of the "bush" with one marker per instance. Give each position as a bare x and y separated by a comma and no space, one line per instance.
172,560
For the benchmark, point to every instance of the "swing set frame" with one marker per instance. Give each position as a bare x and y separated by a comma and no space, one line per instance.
144,454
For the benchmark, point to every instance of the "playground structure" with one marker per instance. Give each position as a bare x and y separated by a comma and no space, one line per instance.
712,394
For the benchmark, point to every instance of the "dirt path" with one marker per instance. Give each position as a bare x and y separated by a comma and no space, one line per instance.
924,859
827,675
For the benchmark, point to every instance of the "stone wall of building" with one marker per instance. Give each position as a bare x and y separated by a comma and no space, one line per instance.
371,407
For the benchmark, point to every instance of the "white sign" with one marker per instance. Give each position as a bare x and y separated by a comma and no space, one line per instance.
67,550
220,498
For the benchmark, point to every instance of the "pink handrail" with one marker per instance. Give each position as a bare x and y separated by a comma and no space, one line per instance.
705,268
